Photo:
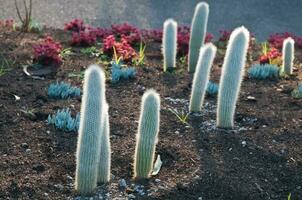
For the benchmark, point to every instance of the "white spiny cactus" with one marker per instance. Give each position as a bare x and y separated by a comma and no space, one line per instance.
105,155
146,138
198,33
231,77
169,44
90,130
201,76
288,55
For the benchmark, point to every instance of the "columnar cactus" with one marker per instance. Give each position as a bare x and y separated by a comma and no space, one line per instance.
169,44
288,55
231,77
105,155
198,33
201,76
89,140
146,138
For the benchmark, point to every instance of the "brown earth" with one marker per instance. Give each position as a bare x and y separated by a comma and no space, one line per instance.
38,162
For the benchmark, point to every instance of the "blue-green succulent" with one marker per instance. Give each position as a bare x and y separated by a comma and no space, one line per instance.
261,72
63,120
62,90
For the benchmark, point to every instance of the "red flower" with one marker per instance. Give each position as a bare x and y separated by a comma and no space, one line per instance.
47,53
123,48
83,38
264,59
276,40
76,25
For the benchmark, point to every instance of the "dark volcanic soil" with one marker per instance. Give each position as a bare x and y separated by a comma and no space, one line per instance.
260,159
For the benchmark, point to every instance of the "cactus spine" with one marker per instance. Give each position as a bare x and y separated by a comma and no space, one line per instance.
288,56
169,44
88,148
146,138
105,155
201,76
198,33
231,77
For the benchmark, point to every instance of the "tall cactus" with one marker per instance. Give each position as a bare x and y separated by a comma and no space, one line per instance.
288,55
231,77
105,155
198,33
146,138
169,44
201,76
89,140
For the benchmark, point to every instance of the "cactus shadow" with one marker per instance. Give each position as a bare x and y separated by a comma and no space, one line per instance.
231,171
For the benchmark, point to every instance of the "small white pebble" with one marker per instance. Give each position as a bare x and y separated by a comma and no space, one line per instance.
243,143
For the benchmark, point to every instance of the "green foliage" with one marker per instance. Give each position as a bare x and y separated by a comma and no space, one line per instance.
35,26
66,52
146,138
91,51
63,120
141,55
5,65
181,115
266,71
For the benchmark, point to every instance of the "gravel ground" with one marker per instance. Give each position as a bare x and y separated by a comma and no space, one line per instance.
261,17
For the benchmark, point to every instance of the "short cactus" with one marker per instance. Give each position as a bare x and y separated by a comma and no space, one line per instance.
89,140
288,55
169,44
146,138
198,33
105,155
231,77
201,76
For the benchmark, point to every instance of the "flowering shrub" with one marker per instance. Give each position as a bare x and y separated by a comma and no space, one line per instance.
183,38
47,53
8,23
122,47
152,35
76,25
99,33
83,38
270,55
129,32
224,35
276,40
